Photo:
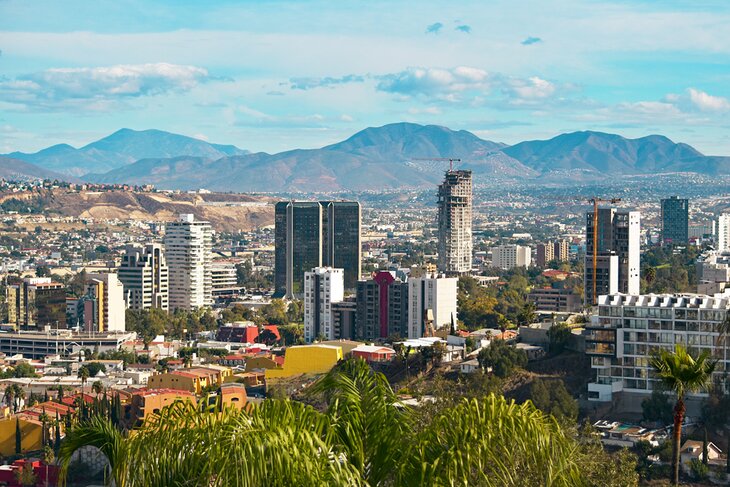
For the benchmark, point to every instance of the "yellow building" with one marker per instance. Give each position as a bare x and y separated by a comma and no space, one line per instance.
31,434
194,379
259,363
307,359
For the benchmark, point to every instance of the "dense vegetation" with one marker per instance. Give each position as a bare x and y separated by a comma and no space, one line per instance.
361,437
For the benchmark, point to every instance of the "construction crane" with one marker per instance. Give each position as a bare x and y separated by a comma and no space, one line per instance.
450,159
596,202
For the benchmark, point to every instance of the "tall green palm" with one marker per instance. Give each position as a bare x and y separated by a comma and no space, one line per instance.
83,374
682,373
364,438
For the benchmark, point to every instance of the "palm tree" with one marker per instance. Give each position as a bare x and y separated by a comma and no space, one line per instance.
97,387
9,396
19,396
84,376
365,438
681,373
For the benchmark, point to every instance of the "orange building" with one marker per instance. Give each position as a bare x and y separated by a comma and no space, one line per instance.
193,379
146,402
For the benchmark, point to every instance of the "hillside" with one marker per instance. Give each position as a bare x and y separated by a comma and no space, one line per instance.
17,170
123,147
393,156
226,212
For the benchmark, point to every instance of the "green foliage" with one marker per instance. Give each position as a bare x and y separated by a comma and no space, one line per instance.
700,472
553,398
502,358
476,306
25,475
178,325
250,279
716,410
291,334
92,368
657,407
19,371
559,335
275,312
669,269
364,438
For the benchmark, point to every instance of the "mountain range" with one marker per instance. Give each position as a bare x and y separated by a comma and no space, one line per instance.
397,155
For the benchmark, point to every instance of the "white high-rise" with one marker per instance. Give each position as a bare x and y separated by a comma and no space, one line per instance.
323,286
511,256
145,276
723,232
454,223
188,247
105,307
430,298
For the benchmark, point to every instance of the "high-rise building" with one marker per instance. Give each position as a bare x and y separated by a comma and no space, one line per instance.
341,241
629,328
675,220
619,234
561,250
723,232
382,307
102,308
431,304
545,253
454,223
511,256
188,248
323,286
36,303
145,277
315,234
344,317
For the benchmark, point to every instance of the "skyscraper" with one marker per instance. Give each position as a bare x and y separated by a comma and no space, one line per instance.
188,248
618,235
323,286
545,253
315,234
675,220
723,232
454,223
145,276
561,249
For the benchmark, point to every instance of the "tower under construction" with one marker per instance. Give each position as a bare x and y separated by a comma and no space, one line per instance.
454,221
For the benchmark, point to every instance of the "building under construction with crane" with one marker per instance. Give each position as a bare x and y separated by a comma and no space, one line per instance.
612,252
454,223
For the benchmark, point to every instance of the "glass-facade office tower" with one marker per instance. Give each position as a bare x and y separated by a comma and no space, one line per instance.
454,223
675,220
315,234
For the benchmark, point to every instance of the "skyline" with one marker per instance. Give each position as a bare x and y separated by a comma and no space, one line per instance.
75,72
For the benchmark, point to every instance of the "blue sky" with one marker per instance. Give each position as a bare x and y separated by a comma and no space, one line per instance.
277,75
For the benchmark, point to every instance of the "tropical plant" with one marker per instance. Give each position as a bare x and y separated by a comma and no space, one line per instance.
681,373
83,374
365,437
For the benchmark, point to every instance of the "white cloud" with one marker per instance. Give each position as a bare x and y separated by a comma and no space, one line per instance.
705,102
445,84
94,88
533,88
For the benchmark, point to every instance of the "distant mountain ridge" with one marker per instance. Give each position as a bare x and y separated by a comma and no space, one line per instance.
123,147
398,155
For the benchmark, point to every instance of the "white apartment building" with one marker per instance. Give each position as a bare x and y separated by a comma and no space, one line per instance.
723,232
105,310
431,298
145,277
455,223
511,256
188,247
323,286
223,274
621,337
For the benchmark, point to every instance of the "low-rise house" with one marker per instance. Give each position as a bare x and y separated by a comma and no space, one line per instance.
533,352
193,379
625,435
373,353
692,450
469,366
